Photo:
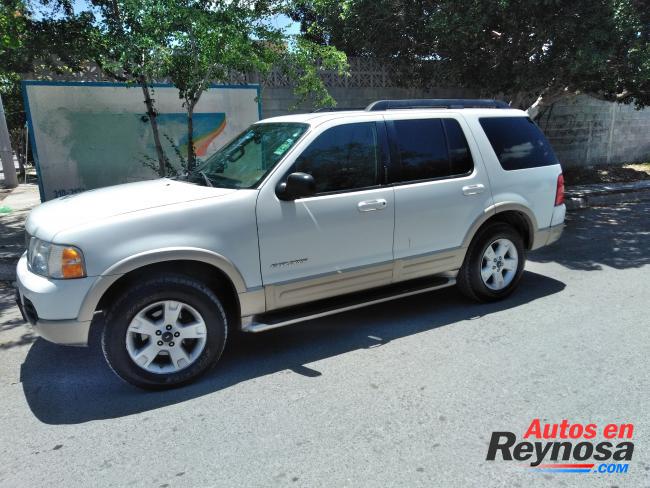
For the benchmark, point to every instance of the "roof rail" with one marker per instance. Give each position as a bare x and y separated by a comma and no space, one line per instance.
436,103
336,109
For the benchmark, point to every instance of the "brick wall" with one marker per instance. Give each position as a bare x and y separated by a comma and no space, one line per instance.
585,131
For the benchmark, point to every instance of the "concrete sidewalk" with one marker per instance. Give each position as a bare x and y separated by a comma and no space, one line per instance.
14,209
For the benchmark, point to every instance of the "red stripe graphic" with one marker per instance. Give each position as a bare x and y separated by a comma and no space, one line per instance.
572,466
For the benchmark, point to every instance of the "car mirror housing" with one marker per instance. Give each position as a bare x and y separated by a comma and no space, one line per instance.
297,185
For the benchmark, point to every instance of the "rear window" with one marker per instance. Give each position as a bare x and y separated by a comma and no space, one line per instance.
518,142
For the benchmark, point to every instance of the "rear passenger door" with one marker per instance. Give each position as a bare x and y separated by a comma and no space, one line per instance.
441,188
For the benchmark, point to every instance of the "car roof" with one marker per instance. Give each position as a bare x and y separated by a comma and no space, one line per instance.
317,118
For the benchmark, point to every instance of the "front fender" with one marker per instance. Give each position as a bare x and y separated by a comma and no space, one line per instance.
119,269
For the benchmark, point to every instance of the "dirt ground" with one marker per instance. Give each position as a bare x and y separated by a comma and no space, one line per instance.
607,174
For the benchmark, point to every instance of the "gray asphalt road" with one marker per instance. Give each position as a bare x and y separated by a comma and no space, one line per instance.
402,394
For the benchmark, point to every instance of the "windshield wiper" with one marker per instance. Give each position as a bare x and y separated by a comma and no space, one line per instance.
202,174
205,177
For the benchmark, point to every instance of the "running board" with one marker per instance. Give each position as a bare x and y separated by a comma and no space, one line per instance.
331,306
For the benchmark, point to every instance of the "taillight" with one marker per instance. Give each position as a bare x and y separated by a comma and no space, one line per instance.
559,192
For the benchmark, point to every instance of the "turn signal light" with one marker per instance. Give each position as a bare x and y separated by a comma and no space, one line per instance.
71,263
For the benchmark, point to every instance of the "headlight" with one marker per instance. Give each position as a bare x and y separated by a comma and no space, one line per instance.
54,260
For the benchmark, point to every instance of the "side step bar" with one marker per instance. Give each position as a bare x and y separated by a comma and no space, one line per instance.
331,306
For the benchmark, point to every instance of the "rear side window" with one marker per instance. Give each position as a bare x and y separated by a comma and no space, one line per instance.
431,148
342,158
518,142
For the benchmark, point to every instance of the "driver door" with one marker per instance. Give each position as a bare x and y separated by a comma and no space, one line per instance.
341,239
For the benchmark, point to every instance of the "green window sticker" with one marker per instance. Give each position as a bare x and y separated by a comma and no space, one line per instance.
282,148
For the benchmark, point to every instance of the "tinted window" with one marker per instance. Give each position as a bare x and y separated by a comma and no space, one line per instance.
342,158
431,148
518,142
422,149
460,158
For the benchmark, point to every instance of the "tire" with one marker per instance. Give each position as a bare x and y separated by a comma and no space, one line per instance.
173,325
470,278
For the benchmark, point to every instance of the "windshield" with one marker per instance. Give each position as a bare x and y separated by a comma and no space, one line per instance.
249,157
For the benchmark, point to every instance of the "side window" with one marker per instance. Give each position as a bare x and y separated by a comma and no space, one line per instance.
518,142
422,149
344,157
460,158
431,148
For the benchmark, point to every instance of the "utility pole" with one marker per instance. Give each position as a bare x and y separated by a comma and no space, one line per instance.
6,154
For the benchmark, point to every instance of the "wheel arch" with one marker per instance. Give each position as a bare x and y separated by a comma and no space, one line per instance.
515,214
213,269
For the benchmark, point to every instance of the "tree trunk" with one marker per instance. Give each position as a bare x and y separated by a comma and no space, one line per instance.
151,113
191,156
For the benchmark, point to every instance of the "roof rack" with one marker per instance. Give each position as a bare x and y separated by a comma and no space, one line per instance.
436,103
336,109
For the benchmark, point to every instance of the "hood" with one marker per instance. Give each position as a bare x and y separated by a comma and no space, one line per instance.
49,218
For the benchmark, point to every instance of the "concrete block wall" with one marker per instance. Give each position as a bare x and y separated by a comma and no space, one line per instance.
280,101
585,131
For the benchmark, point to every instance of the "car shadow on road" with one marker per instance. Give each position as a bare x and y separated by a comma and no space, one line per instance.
617,236
65,385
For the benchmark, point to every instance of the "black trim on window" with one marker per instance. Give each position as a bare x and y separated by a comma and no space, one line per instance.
385,152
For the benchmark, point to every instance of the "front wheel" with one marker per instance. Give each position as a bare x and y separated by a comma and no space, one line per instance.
164,332
494,263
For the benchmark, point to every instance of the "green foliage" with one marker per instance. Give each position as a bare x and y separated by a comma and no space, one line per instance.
193,43
304,63
31,43
205,42
528,47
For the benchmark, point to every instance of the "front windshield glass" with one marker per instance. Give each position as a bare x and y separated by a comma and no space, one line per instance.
248,158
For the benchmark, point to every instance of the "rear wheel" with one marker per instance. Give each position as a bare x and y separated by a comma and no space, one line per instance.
494,263
164,332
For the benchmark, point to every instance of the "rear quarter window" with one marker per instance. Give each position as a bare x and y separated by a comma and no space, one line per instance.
518,142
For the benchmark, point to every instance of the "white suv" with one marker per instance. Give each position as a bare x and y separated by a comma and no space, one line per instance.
298,217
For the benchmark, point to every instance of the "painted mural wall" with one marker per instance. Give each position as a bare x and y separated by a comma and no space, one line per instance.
90,135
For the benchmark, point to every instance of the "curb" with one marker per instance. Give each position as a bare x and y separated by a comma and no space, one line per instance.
585,196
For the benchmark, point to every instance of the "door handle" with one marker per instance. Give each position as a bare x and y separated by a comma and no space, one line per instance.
473,189
370,205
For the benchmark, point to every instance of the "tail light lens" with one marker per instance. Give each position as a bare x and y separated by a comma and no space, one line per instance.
559,192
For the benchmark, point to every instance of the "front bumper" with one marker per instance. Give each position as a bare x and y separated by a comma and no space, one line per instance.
51,306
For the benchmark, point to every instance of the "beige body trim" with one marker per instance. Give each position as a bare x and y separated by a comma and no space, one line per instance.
291,293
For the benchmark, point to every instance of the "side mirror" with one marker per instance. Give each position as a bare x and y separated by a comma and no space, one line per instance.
298,185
